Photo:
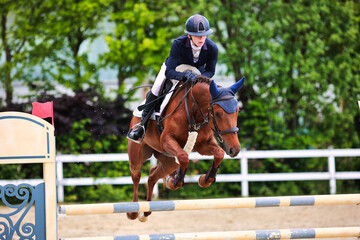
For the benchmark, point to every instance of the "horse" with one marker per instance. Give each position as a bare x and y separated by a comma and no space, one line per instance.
194,114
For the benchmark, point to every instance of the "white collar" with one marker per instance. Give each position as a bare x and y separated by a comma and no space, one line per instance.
194,47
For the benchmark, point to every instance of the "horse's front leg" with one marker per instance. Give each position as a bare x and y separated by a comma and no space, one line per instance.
171,146
207,179
165,166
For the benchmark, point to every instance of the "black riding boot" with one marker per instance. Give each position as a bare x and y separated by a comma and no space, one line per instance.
148,108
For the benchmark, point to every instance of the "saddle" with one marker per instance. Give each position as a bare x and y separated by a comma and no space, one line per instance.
166,92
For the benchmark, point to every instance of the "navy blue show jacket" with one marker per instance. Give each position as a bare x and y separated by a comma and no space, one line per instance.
181,53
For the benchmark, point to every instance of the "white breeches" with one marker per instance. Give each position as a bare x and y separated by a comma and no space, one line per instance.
159,81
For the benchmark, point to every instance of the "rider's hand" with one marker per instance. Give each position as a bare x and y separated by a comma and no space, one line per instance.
190,76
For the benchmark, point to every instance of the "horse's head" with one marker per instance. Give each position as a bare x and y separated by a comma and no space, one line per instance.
224,111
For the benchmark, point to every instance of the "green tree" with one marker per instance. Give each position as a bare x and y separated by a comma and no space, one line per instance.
302,67
318,42
69,28
141,40
18,28
44,43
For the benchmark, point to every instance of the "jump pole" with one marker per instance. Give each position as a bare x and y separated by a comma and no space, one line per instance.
225,203
340,232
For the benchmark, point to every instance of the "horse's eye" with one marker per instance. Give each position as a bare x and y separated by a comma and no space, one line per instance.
218,115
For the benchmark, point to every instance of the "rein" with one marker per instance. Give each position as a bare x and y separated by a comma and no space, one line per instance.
141,107
181,101
193,125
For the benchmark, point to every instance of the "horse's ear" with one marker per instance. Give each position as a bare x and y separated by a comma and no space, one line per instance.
214,90
236,86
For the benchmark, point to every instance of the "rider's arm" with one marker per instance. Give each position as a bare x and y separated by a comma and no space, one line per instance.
173,61
212,57
177,56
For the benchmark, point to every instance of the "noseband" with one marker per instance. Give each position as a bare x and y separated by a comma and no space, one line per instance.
194,126
217,131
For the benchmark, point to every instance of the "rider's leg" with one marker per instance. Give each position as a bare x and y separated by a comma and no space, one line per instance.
155,89
149,105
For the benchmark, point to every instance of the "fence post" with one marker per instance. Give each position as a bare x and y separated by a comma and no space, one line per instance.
59,178
153,163
332,171
244,174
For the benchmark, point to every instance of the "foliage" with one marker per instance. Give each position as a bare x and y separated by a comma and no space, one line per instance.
301,60
70,27
19,21
141,39
95,125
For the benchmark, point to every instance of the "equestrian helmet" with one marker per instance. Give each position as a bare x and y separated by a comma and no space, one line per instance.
198,25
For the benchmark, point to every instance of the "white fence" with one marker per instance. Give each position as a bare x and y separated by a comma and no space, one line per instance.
244,176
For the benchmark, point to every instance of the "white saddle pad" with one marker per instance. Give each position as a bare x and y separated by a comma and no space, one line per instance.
138,113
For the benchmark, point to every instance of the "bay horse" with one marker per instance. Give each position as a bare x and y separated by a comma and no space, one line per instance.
202,108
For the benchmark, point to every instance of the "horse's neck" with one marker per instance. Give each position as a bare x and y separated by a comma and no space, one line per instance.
202,96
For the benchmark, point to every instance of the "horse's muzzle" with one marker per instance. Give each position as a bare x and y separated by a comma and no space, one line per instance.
232,151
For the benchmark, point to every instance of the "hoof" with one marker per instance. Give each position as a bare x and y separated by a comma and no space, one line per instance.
132,215
169,183
202,183
142,217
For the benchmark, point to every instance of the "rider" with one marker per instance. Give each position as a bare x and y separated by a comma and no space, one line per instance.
193,48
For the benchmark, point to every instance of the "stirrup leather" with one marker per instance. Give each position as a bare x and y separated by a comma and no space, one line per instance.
131,129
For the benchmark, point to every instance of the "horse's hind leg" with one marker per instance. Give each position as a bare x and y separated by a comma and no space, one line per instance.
138,153
136,179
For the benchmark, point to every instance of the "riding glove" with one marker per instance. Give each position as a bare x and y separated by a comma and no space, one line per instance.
190,76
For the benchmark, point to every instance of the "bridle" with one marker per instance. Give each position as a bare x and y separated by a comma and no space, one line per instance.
217,131
194,126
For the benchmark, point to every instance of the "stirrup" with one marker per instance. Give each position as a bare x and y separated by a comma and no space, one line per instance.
131,129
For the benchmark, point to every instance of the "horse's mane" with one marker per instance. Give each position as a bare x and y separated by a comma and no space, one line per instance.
203,79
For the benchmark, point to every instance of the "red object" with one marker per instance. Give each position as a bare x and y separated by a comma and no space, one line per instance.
43,110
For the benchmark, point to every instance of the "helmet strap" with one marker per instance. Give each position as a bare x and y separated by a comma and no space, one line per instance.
192,41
